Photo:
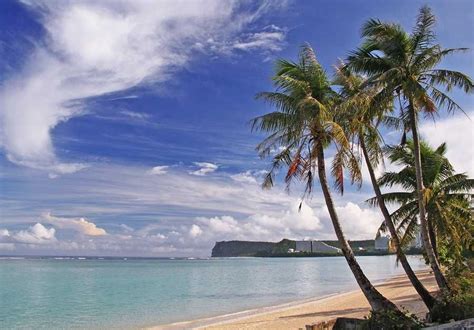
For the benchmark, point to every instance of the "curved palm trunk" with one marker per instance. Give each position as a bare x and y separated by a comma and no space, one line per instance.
376,300
428,299
440,279
433,237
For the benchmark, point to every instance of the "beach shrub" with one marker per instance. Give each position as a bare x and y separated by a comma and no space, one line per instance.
453,307
458,304
387,320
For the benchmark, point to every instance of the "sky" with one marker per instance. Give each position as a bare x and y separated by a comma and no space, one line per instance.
124,125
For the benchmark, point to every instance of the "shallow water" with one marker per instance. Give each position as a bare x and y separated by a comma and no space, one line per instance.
51,293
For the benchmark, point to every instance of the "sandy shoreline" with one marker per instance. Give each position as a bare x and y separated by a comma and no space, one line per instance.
296,315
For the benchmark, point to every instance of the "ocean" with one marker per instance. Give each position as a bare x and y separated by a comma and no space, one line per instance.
55,293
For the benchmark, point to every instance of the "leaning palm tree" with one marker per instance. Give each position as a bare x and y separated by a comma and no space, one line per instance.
404,65
448,198
303,126
364,114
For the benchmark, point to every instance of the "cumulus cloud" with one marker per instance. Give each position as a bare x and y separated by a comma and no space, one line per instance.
158,170
309,222
81,225
205,168
358,222
37,234
195,231
97,48
458,133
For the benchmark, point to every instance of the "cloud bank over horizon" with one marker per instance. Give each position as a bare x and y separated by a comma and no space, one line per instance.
184,213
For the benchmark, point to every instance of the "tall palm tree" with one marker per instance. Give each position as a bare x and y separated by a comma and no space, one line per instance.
448,198
404,65
364,114
303,126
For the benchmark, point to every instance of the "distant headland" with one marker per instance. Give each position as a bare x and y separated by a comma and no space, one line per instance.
306,248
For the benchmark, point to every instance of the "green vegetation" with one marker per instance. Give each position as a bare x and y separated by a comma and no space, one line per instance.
364,111
447,204
459,303
390,320
283,246
404,66
305,124
392,72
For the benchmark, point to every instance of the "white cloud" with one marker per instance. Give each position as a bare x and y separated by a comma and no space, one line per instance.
359,223
272,39
4,233
195,231
135,115
81,225
458,133
268,40
37,234
245,177
158,170
309,222
205,168
96,48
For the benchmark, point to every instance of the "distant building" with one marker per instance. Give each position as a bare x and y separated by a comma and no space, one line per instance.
315,247
382,243
416,242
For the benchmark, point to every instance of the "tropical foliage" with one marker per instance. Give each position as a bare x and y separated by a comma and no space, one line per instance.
390,80
404,65
363,115
305,116
304,124
448,196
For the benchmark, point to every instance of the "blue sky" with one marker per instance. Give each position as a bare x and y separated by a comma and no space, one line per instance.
124,125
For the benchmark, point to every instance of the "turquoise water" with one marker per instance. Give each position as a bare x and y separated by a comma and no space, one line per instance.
51,294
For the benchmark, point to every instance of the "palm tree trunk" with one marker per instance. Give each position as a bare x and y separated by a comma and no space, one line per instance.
433,238
428,299
440,279
376,300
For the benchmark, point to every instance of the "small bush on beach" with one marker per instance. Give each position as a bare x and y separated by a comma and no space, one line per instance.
459,303
388,320
453,307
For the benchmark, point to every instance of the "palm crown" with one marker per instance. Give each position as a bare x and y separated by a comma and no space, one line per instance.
305,117
404,64
447,202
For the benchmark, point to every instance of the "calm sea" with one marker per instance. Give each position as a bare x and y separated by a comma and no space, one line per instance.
81,293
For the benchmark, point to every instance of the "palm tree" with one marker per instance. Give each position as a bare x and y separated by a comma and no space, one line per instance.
364,115
448,198
303,126
404,64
